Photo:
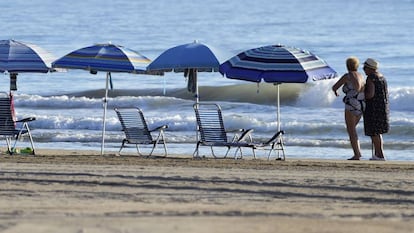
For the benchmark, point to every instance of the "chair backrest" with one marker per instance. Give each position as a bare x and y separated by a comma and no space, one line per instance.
7,124
210,122
134,125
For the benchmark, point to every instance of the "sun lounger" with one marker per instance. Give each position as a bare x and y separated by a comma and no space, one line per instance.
137,132
9,127
212,133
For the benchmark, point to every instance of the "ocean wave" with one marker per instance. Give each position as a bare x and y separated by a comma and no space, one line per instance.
264,124
262,93
316,95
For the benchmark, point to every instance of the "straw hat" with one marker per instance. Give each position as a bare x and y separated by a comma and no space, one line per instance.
371,63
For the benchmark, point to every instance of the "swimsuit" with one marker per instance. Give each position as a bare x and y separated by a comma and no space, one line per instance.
354,100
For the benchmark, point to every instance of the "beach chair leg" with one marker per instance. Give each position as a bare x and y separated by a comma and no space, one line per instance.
10,150
212,152
16,139
154,145
30,138
164,144
282,149
196,153
254,152
235,152
160,138
165,149
138,150
227,152
122,146
241,153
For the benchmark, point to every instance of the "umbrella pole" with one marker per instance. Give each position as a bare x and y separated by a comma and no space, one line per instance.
105,104
196,81
197,98
278,107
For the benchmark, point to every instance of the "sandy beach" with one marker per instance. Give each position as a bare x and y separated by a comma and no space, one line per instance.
81,191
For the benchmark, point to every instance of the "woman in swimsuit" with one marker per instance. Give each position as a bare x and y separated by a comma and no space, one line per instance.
353,84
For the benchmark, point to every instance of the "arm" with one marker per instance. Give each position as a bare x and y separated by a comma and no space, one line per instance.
338,84
369,89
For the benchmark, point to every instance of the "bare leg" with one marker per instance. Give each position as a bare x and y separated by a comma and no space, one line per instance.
351,122
378,145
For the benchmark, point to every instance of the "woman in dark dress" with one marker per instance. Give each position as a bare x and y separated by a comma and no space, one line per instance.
376,115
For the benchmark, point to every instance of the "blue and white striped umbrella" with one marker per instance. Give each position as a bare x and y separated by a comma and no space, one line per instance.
104,57
20,57
107,58
277,64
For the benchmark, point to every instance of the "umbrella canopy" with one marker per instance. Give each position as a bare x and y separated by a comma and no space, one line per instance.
277,64
108,58
104,57
19,57
189,58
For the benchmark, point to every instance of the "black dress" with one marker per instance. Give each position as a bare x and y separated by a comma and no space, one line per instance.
376,114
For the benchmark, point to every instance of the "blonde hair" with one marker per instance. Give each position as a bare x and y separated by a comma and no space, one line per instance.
352,63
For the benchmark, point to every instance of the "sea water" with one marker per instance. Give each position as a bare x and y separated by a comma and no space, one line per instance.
68,105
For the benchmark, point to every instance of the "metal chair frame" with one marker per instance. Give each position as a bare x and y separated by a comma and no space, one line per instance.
137,132
8,125
212,133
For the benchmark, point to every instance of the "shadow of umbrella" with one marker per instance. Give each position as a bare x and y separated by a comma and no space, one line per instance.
189,59
107,58
277,64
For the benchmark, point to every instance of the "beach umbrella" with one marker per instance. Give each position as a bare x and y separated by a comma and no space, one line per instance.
107,58
277,64
190,59
21,57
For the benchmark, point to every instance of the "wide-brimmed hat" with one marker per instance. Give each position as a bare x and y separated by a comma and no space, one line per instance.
371,63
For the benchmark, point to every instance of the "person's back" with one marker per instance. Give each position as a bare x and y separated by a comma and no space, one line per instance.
354,93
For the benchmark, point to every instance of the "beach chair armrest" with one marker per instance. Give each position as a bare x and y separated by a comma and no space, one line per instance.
238,130
245,133
274,137
242,135
162,127
27,119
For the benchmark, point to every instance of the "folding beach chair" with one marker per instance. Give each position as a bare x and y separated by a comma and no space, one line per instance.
137,132
212,133
8,124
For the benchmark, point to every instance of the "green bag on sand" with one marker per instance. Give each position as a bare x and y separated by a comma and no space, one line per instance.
26,150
